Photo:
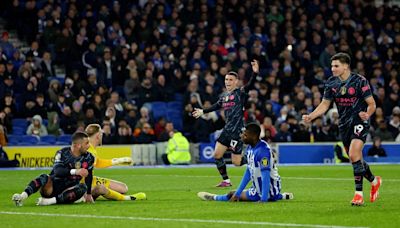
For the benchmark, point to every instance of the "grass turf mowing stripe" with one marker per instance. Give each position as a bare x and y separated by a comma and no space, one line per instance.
175,220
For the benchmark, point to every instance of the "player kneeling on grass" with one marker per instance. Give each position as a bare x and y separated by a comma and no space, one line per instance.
62,186
261,170
109,189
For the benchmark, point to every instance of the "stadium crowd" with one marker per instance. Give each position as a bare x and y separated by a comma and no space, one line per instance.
120,57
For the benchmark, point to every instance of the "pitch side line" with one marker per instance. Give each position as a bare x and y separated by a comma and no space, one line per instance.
283,177
173,220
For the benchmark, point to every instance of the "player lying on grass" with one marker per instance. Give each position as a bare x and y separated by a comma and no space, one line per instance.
261,170
62,186
109,189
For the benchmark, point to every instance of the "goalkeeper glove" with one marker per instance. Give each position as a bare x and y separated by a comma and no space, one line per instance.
122,161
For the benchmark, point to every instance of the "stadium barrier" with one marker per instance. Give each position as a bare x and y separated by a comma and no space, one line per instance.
150,154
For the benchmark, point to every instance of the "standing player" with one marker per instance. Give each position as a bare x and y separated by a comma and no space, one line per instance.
353,97
109,189
62,186
261,170
232,101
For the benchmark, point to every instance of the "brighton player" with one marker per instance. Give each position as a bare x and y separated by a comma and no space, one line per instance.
353,97
232,101
261,170
109,189
63,185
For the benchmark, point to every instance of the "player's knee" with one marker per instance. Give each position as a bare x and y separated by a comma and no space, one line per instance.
43,178
218,155
124,189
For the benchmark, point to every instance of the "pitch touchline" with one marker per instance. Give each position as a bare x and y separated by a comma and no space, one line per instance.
173,220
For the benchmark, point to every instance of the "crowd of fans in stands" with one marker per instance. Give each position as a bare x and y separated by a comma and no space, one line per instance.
119,56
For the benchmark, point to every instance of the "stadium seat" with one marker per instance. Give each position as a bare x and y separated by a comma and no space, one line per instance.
178,97
61,143
159,109
175,105
30,139
66,139
14,139
25,144
22,123
19,131
41,143
51,139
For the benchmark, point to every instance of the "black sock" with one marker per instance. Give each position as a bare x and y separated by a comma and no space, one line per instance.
368,174
359,171
221,166
71,195
244,160
36,184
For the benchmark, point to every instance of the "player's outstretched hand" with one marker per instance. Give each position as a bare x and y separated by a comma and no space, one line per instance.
89,198
234,198
255,66
306,118
82,172
363,115
197,112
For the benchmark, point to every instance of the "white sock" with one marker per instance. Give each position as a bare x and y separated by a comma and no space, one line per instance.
24,195
375,181
227,180
359,193
127,197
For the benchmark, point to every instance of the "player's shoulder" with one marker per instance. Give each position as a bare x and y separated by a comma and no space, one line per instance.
263,147
64,151
332,80
358,77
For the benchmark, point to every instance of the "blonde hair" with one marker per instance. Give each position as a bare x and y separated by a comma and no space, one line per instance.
92,129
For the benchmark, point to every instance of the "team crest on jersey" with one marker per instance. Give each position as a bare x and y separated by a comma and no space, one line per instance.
343,90
351,91
264,162
78,165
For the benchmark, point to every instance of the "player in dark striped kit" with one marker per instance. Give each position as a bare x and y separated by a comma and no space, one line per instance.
63,185
353,97
232,101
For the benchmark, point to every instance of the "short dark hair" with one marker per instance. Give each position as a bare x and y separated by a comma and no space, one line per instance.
79,135
233,73
342,57
253,128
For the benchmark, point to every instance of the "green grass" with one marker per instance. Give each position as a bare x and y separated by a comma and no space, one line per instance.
322,196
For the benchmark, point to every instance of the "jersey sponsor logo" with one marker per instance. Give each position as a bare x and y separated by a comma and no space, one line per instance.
352,91
264,162
344,101
228,105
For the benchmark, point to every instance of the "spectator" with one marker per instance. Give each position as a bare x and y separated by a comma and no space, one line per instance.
383,133
53,126
124,135
377,150
145,135
36,127
108,137
283,134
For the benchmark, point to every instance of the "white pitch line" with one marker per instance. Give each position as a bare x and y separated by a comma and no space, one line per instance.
175,220
283,177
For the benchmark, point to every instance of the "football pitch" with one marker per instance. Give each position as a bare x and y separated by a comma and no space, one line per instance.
322,197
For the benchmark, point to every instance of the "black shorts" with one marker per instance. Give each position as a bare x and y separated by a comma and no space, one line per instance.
232,141
354,131
60,186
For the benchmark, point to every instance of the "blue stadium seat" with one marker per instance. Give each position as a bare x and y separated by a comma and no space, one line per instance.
23,123
61,143
175,105
14,139
178,97
66,139
51,139
41,143
19,131
30,139
159,109
25,144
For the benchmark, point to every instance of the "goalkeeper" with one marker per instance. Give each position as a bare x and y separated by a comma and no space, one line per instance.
109,189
